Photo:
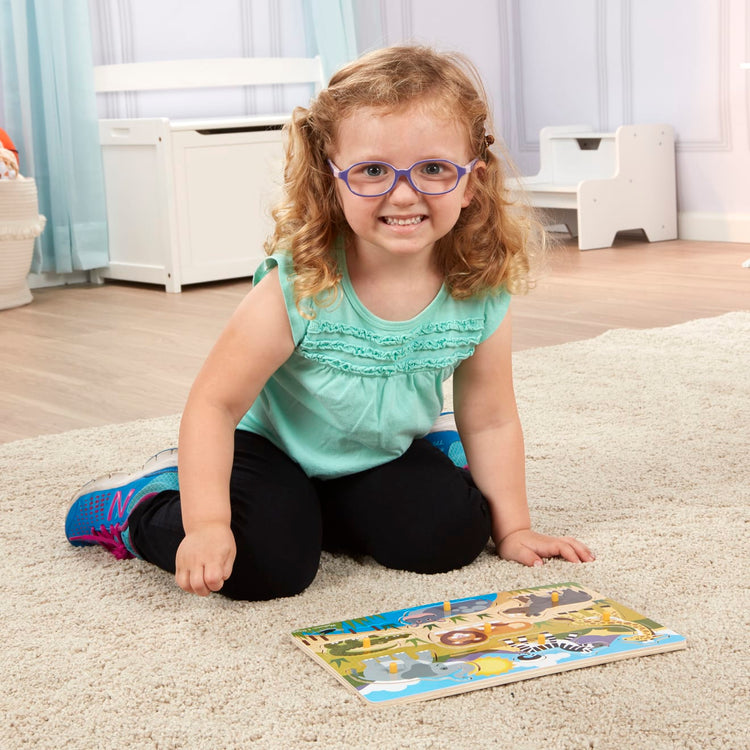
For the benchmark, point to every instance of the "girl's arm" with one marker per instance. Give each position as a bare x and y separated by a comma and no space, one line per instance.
490,430
255,343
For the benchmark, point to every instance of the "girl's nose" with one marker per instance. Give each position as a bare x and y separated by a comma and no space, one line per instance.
403,192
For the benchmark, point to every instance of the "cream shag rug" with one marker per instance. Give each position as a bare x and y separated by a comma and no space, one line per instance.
637,443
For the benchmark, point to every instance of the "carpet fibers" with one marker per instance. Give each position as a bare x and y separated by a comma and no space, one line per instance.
637,443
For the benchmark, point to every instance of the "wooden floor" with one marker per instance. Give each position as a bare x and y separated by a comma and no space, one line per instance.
92,355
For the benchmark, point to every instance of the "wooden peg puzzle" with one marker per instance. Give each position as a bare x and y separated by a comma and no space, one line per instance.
454,646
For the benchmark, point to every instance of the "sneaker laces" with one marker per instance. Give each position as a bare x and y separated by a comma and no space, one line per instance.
109,537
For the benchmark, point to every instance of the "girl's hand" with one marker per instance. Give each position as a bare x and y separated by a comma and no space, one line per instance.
205,558
529,548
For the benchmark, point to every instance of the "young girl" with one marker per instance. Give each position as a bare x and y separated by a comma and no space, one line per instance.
390,269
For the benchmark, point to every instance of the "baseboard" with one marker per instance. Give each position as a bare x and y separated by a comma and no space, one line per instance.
709,227
39,280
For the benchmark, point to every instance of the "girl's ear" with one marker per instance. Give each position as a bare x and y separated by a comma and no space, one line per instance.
470,185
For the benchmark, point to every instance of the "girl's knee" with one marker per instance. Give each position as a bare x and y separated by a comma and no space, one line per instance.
263,577
440,542
433,560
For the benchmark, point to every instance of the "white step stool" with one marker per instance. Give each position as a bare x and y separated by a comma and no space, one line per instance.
597,184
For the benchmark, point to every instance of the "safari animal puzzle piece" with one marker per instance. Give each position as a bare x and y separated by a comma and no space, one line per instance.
534,605
422,666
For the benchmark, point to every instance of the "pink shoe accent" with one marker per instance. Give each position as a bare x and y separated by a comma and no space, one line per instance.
109,538
119,503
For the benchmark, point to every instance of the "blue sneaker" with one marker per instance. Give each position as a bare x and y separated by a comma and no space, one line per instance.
100,510
444,436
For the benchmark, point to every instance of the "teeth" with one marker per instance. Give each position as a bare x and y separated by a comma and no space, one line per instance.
403,222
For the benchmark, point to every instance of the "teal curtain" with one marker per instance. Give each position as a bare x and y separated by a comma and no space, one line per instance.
50,113
331,32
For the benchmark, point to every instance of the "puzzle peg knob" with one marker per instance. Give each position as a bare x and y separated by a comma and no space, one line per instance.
555,597
393,667
541,639
606,616
366,643
446,607
487,628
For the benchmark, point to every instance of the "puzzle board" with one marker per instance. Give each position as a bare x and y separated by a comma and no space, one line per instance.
466,644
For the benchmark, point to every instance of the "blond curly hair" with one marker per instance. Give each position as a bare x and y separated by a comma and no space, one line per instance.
491,245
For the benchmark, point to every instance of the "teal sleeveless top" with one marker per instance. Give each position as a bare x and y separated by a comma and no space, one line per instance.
357,390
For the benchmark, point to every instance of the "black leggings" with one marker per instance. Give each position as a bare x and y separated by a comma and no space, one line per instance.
418,513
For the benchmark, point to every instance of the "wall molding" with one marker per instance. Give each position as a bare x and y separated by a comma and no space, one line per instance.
713,227
600,12
398,20
248,50
114,22
42,280
724,140
384,21
515,24
626,46
407,19
506,87
747,72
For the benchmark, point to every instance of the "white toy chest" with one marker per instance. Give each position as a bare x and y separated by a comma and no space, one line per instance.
189,201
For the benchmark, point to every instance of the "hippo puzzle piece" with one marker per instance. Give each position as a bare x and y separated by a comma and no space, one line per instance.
458,645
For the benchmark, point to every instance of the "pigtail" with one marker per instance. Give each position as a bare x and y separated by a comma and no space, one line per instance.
498,242
308,218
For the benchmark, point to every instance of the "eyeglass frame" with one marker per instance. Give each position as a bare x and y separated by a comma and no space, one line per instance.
343,175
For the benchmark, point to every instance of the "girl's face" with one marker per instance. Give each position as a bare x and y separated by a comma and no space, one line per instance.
403,222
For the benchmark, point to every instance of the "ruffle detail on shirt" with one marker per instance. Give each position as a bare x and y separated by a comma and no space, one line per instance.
356,350
392,354
461,326
409,366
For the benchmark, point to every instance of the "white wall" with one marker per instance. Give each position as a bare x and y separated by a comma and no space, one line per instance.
545,62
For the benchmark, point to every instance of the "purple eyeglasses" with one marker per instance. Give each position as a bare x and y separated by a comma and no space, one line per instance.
369,179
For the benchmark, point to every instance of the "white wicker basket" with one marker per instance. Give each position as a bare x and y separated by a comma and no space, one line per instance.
20,224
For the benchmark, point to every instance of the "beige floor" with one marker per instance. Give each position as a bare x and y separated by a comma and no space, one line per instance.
91,355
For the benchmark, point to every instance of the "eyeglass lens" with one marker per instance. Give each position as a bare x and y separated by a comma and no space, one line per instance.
430,177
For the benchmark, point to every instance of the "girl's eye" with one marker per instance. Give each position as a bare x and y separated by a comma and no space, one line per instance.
433,169
374,170
438,170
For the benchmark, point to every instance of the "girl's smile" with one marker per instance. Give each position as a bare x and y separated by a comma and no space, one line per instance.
392,221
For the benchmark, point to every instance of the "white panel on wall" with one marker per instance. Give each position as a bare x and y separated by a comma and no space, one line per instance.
679,72
559,66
